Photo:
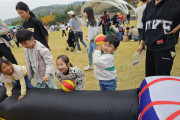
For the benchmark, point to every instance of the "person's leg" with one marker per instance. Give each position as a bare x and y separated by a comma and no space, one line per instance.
90,50
163,62
65,33
62,33
111,84
149,67
104,29
81,39
101,84
28,82
77,41
128,21
6,52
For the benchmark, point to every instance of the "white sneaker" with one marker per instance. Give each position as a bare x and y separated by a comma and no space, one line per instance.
79,51
88,68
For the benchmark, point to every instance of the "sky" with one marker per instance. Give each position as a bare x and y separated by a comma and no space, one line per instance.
7,7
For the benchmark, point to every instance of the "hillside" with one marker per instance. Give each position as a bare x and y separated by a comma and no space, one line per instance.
46,10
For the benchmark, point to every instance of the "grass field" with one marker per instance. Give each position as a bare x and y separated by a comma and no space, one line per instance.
128,76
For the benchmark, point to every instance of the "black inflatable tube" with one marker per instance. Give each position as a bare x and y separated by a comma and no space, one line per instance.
50,104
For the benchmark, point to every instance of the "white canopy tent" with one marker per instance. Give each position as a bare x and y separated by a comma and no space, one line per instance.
99,6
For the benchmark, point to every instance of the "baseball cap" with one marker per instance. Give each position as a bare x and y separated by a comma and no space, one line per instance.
71,12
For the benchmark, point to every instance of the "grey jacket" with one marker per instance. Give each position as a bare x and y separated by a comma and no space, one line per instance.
43,61
4,30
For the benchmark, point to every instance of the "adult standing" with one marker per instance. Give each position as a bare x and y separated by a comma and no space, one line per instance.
160,35
114,19
31,23
75,24
139,11
122,18
128,17
4,45
103,27
105,19
93,31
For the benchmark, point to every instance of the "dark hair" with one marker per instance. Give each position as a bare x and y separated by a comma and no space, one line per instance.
91,19
24,35
24,6
117,25
4,61
144,0
65,59
115,15
105,12
127,28
112,39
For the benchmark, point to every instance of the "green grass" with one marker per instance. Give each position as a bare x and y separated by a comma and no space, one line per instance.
128,76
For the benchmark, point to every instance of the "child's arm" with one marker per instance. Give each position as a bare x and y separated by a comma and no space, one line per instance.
9,88
58,76
103,61
47,57
79,80
23,88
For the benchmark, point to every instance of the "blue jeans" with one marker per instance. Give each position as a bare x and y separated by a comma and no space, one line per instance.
134,37
119,35
108,85
28,82
80,35
92,47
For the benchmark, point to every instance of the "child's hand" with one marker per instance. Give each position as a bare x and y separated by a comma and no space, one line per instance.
46,78
20,97
99,47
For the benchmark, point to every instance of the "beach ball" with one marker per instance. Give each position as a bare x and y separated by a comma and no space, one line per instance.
99,40
67,85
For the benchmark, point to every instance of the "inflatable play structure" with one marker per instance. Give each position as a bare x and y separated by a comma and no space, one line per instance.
158,98
99,6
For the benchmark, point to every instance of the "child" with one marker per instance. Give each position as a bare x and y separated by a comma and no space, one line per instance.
93,31
11,72
63,27
39,62
67,72
104,63
118,32
109,29
126,37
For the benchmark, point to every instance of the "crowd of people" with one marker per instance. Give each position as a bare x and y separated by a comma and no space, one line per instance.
160,39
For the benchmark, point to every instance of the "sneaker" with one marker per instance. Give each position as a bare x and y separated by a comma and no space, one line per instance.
88,68
79,51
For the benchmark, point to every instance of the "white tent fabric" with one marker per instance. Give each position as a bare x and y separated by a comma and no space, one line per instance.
99,6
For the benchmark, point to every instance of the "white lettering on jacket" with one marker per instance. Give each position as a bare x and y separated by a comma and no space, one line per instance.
153,24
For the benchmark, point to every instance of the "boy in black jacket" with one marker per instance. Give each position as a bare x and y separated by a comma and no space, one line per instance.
161,20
